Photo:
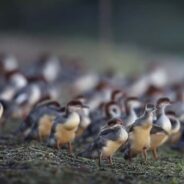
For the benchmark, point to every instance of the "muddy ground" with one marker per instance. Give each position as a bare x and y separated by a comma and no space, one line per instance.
33,162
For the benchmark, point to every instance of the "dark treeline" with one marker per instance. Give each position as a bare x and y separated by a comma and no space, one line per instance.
152,23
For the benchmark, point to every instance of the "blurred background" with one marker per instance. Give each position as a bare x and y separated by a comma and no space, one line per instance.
114,33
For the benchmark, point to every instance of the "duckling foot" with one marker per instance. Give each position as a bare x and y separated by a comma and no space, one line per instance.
99,159
70,151
110,160
155,155
145,154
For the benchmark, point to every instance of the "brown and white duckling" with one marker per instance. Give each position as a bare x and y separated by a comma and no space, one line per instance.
139,135
119,96
175,133
109,111
8,63
131,104
38,124
65,126
1,110
162,127
48,66
109,140
85,121
15,81
101,94
27,97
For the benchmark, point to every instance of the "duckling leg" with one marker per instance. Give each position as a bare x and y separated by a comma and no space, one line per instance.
145,154
99,159
129,155
110,160
155,155
70,148
40,137
58,145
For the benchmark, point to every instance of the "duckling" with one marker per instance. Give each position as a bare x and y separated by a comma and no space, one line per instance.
119,97
139,134
109,140
47,65
38,124
85,121
4,112
65,126
15,81
110,110
1,110
37,90
176,127
8,62
131,104
175,123
101,93
161,128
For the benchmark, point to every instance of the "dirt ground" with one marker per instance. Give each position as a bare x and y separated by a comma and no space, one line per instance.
34,162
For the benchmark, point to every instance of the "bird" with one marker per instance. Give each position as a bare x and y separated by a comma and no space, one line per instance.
139,134
65,126
131,104
38,124
162,127
109,140
1,110
110,110
175,124
85,121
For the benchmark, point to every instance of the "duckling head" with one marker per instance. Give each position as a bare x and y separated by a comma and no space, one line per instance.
112,110
163,102
114,122
132,102
117,95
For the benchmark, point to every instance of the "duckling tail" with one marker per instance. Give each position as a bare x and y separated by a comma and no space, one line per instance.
51,142
22,127
127,156
90,152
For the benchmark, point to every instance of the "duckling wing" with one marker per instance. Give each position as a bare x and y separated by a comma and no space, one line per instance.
94,128
21,97
93,150
156,129
137,123
110,134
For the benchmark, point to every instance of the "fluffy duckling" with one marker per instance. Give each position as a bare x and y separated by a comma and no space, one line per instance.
110,111
176,127
1,110
110,139
161,128
38,124
85,121
131,104
4,112
175,123
139,135
15,81
65,126
119,97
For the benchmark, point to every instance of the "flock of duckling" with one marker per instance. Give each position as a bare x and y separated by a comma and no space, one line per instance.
106,113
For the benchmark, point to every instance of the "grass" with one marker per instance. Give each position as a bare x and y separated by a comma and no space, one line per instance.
33,162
